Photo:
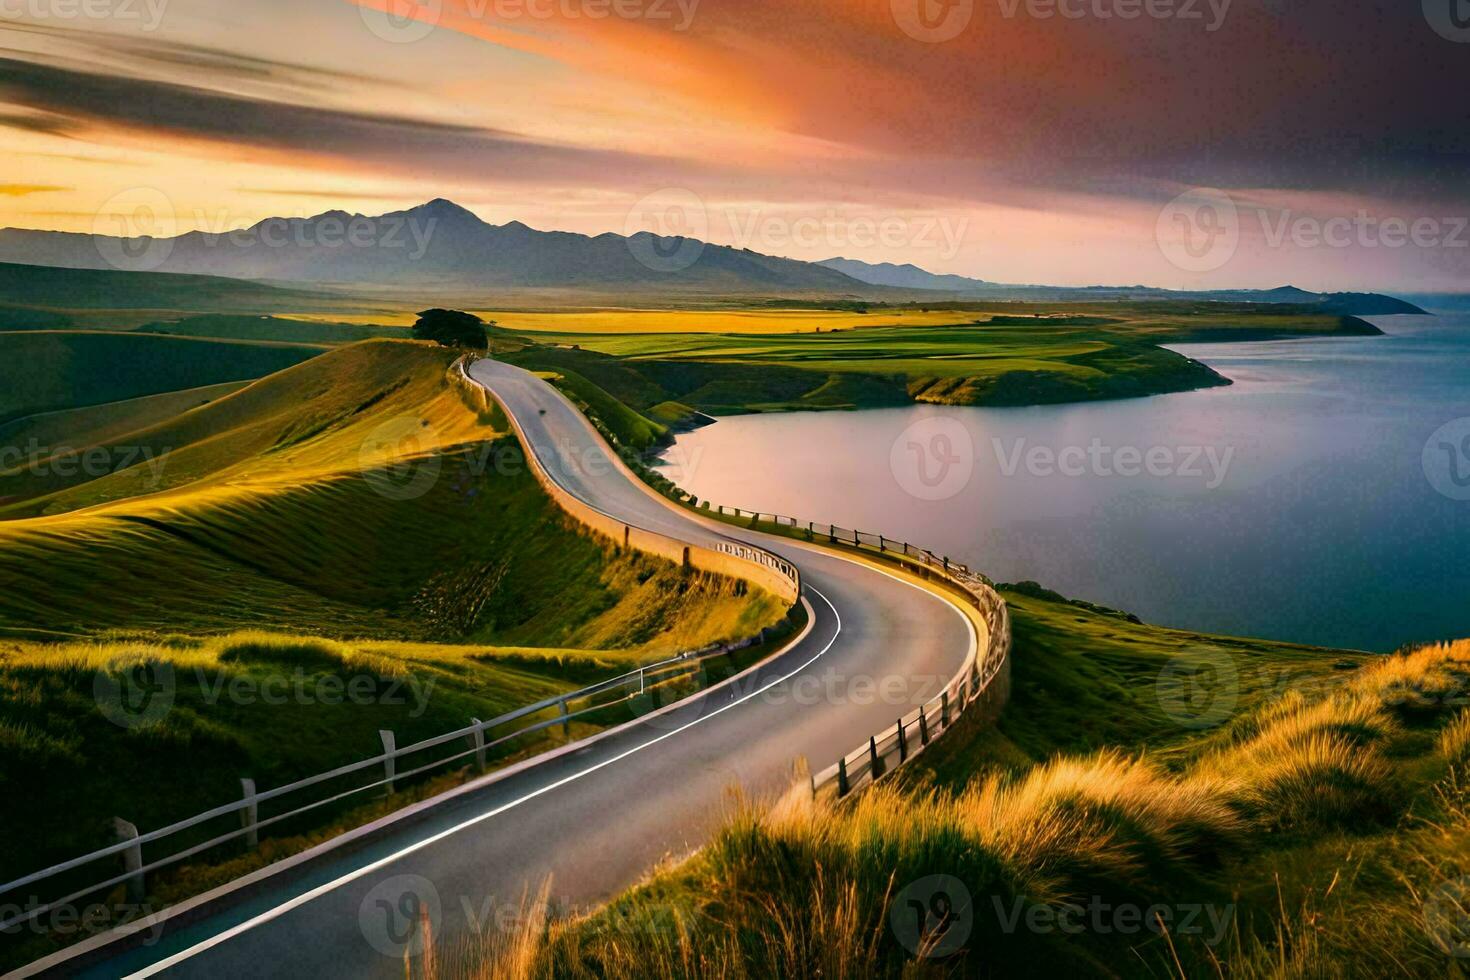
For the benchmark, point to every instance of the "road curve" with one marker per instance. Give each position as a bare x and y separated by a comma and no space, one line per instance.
597,818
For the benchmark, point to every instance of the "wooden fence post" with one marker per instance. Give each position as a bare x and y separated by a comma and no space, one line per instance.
875,760
903,744
478,738
843,787
566,722
943,710
250,813
390,766
132,860
924,725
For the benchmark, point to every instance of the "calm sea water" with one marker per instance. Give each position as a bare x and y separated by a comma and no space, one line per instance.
1298,504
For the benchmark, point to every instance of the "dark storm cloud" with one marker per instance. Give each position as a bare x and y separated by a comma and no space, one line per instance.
69,100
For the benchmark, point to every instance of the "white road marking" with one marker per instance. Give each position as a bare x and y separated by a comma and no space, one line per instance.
348,878
352,876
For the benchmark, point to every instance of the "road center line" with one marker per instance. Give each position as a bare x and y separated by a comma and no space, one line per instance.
352,876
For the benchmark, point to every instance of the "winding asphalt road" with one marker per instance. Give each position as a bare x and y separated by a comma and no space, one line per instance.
595,819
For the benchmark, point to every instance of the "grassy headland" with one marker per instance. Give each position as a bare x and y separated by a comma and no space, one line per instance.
812,360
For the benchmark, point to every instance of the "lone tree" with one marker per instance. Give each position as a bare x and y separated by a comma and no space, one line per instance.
452,328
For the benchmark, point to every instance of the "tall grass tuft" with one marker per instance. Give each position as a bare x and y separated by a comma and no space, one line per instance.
1454,741
1328,779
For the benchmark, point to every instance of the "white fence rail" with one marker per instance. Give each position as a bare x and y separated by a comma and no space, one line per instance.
907,736
380,772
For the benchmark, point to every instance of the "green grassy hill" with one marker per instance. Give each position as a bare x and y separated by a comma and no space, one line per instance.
1154,804
98,424
381,530
354,494
44,371
272,328
958,364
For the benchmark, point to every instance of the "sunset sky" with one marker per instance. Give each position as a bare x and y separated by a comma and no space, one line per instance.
983,138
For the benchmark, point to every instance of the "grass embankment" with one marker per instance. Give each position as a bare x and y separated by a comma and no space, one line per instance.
44,371
1320,826
385,533
101,424
354,495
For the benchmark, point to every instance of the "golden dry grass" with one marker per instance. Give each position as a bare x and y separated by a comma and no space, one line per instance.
1320,813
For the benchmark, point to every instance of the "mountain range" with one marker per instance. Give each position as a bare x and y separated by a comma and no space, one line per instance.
912,277
435,243
445,246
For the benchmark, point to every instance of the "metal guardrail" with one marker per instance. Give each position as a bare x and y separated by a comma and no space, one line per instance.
872,761
383,768
383,773
751,563
912,733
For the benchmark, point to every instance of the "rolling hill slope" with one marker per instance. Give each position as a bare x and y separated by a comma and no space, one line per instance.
44,371
354,495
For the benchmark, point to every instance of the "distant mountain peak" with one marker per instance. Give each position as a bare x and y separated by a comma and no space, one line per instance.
906,276
443,209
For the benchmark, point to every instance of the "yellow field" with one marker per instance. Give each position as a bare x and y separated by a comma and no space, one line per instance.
718,321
